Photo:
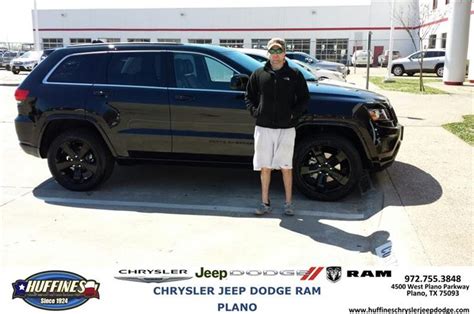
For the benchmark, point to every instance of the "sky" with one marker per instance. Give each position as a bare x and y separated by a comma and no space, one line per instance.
17,25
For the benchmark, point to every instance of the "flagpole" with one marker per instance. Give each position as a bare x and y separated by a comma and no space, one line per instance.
388,76
35,26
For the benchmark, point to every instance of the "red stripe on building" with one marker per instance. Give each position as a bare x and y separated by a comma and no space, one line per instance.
296,29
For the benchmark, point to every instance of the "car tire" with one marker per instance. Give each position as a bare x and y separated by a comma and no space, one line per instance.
79,160
439,70
327,167
15,71
398,70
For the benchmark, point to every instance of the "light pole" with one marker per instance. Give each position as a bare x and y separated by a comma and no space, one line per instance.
35,25
388,76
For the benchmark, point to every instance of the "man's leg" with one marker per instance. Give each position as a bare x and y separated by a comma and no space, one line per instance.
265,178
288,183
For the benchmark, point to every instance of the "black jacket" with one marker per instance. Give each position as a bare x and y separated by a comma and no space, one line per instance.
276,99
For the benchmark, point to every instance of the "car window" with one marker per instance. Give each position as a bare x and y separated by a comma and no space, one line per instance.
217,71
441,53
197,71
79,69
258,58
136,68
416,55
430,54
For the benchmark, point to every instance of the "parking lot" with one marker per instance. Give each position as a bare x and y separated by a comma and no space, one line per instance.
149,214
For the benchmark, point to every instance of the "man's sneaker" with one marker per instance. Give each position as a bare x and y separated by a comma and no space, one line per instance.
263,209
289,209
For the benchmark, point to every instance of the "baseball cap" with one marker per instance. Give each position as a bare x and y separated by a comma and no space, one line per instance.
276,42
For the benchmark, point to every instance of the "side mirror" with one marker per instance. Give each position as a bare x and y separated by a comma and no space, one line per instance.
239,82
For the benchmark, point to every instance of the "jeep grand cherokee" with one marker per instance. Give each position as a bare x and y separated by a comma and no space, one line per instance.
84,108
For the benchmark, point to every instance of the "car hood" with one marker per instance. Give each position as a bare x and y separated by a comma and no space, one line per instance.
24,59
328,64
330,98
401,60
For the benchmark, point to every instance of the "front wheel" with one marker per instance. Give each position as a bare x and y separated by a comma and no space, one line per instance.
398,70
15,71
327,167
79,161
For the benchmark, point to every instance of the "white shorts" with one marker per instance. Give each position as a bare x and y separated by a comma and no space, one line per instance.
273,148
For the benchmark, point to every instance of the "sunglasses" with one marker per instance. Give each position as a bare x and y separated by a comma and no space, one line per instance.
275,51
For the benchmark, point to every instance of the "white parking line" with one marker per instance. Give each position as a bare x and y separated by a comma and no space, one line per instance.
212,208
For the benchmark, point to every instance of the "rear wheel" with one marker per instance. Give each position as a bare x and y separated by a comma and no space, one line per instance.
327,167
79,161
439,70
15,71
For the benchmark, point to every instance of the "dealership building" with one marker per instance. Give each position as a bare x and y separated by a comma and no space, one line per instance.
328,32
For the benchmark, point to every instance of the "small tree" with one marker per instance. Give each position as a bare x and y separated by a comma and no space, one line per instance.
418,20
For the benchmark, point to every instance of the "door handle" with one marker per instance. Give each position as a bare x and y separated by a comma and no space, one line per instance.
100,93
184,97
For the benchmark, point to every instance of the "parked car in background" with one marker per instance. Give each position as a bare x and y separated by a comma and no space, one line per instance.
26,62
433,62
46,53
383,58
314,62
8,56
360,57
86,107
261,56
322,74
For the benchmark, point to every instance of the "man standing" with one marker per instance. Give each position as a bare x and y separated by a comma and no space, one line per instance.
276,96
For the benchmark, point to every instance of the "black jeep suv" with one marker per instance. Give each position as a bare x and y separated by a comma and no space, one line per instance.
87,107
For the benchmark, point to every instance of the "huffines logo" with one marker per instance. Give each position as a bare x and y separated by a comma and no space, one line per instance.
55,290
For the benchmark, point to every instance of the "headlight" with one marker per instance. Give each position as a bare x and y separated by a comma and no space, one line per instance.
378,114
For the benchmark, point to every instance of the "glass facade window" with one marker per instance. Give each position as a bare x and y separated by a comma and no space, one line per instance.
138,40
169,40
443,40
332,49
298,45
432,41
109,40
232,43
260,43
76,41
49,43
200,41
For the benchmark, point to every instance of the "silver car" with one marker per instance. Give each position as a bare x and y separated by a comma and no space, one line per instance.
433,62
327,65
8,56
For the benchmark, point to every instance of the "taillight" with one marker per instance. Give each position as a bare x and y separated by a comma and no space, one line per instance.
21,94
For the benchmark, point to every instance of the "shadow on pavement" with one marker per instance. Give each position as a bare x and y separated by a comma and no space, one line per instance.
231,192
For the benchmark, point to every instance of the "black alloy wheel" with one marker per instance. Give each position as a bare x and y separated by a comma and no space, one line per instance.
328,167
79,161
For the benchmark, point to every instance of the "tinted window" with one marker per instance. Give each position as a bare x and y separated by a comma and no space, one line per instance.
430,54
196,71
441,53
136,68
259,58
79,69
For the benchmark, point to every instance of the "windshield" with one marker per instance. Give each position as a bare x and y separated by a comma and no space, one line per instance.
31,54
247,62
307,75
